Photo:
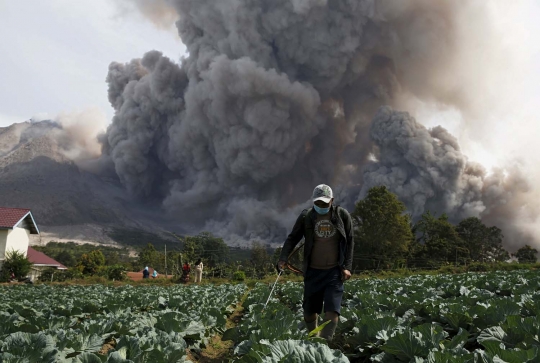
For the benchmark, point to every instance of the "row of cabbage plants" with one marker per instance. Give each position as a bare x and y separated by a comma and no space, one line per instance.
465,318
105,324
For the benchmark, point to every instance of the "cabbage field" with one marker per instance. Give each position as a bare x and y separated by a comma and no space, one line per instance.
491,317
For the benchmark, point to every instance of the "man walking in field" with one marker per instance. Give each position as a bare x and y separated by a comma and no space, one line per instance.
328,252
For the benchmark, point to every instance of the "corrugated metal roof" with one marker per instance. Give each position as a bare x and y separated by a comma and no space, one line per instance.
11,217
39,258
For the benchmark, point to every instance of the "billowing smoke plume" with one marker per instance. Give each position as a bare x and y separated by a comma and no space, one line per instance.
80,132
159,12
275,97
427,170
424,167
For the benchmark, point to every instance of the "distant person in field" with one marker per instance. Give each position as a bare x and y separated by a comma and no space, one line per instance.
198,270
185,271
328,255
154,274
145,273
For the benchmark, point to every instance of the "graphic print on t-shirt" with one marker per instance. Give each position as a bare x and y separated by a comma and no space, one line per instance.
325,229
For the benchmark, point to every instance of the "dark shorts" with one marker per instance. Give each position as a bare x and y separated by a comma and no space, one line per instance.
322,286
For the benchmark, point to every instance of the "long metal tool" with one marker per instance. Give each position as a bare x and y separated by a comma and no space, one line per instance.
271,291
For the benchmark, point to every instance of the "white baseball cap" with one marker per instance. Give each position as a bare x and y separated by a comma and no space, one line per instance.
322,192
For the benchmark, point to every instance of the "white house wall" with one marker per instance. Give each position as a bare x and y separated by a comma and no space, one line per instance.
17,240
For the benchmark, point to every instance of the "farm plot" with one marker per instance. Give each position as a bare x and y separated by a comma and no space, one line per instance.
492,317
276,333
473,318
72,324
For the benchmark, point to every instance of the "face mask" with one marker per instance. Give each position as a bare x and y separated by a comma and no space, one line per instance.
321,210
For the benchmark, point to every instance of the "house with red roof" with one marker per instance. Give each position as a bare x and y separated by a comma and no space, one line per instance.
41,262
16,226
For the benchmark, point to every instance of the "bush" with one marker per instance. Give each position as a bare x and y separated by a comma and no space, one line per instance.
449,269
47,274
95,279
478,267
239,276
91,263
500,266
17,263
60,275
116,272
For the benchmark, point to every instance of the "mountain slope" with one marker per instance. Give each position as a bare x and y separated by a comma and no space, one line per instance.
67,202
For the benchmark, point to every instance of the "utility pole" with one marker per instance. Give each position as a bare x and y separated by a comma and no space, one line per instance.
165,261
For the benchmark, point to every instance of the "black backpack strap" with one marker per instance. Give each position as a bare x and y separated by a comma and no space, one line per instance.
305,213
341,212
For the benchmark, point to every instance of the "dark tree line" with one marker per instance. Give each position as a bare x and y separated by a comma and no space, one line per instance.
70,253
386,237
211,249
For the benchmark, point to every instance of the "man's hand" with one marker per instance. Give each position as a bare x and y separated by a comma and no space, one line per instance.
345,275
280,266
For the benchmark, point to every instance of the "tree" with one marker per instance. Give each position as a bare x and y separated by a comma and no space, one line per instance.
213,250
65,258
92,262
113,258
484,243
276,255
260,259
495,249
17,263
383,234
192,250
174,263
440,240
149,256
526,254
59,251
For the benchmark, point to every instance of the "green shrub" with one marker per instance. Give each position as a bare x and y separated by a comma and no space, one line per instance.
17,263
72,273
159,282
501,266
517,266
478,267
47,274
116,272
94,279
239,276
92,263
60,275
449,269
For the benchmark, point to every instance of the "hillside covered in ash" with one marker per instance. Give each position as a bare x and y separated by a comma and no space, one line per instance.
40,170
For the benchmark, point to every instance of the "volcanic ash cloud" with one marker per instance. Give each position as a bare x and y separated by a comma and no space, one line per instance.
275,97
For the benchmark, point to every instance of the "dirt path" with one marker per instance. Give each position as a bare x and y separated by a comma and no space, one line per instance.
137,276
218,351
109,344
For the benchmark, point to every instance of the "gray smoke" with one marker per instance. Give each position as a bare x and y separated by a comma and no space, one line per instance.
427,170
160,12
275,97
